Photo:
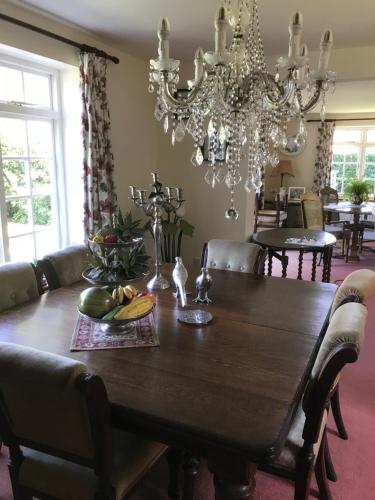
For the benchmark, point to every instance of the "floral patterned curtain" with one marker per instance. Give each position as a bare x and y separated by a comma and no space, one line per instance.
323,163
100,201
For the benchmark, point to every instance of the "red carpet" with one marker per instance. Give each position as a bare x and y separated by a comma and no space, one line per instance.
354,459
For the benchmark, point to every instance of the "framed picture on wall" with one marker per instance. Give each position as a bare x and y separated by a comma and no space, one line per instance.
294,193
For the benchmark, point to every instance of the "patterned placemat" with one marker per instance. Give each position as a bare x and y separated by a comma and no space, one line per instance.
89,336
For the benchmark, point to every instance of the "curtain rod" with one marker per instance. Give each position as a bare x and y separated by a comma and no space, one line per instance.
81,46
341,120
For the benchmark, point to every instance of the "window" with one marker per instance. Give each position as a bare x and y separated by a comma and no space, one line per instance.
32,217
353,156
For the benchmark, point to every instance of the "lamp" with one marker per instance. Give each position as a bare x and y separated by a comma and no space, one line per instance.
284,167
234,100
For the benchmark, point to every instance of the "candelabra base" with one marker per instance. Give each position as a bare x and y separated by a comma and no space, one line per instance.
158,283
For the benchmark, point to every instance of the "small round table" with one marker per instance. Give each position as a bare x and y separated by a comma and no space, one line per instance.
303,240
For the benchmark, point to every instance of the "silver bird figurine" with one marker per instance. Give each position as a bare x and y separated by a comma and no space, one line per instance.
202,284
180,276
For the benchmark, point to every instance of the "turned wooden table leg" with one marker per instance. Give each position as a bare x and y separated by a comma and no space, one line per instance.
234,479
270,255
327,262
191,468
300,264
314,263
284,263
175,458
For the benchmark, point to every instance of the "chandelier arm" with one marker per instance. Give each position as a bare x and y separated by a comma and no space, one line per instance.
315,97
284,97
173,101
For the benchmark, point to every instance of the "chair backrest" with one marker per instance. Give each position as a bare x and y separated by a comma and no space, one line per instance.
50,403
232,255
329,195
18,284
312,211
359,283
65,267
341,344
269,216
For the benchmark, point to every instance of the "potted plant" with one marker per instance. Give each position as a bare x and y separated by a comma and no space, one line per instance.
118,251
358,190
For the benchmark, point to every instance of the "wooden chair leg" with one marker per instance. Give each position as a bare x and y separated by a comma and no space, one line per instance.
320,473
336,411
304,471
330,469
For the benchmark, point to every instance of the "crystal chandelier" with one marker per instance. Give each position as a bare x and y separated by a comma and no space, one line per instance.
233,103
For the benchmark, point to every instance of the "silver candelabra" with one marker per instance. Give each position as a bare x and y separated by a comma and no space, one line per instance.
153,205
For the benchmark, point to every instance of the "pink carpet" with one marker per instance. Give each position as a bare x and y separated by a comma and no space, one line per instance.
354,459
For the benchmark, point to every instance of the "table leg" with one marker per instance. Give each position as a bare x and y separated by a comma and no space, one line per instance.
355,238
234,479
314,263
300,264
327,262
284,263
270,255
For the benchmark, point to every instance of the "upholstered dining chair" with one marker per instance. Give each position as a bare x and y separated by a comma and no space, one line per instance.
306,446
233,255
18,284
55,419
275,218
65,267
313,218
358,286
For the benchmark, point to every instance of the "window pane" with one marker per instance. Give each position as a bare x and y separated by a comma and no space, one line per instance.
18,217
347,135
42,211
370,155
22,248
45,241
344,165
13,137
10,84
40,171
15,179
369,171
371,135
40,138
37,89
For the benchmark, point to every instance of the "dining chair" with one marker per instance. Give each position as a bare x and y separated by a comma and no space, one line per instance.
55,418
358,286
313,218
65,267
305,449
18,284
329,195
270,218
233,255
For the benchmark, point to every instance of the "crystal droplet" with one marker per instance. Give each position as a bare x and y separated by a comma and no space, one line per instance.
210,177
236,177
199,156
274,158
151,88
191,125
228,180
220,175
159,110
211,129
166,123
173,138
180,131
222,134
249,184
231,214
193,161
257,180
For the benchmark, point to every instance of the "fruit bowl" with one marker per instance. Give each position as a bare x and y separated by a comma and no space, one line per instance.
117,326
119,281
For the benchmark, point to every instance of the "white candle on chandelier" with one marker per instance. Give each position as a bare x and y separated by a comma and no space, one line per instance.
221,30
199,64
163,34
295,31
325,51
302,70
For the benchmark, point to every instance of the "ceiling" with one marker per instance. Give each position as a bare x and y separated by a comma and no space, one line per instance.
132,24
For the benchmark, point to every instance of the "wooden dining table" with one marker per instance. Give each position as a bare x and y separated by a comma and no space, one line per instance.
227,391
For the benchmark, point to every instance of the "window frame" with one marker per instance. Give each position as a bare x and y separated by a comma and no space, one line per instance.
362,145
55,117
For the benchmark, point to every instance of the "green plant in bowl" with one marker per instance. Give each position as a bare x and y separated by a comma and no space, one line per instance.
358,190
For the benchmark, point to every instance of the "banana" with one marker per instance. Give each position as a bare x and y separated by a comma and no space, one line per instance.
121,295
